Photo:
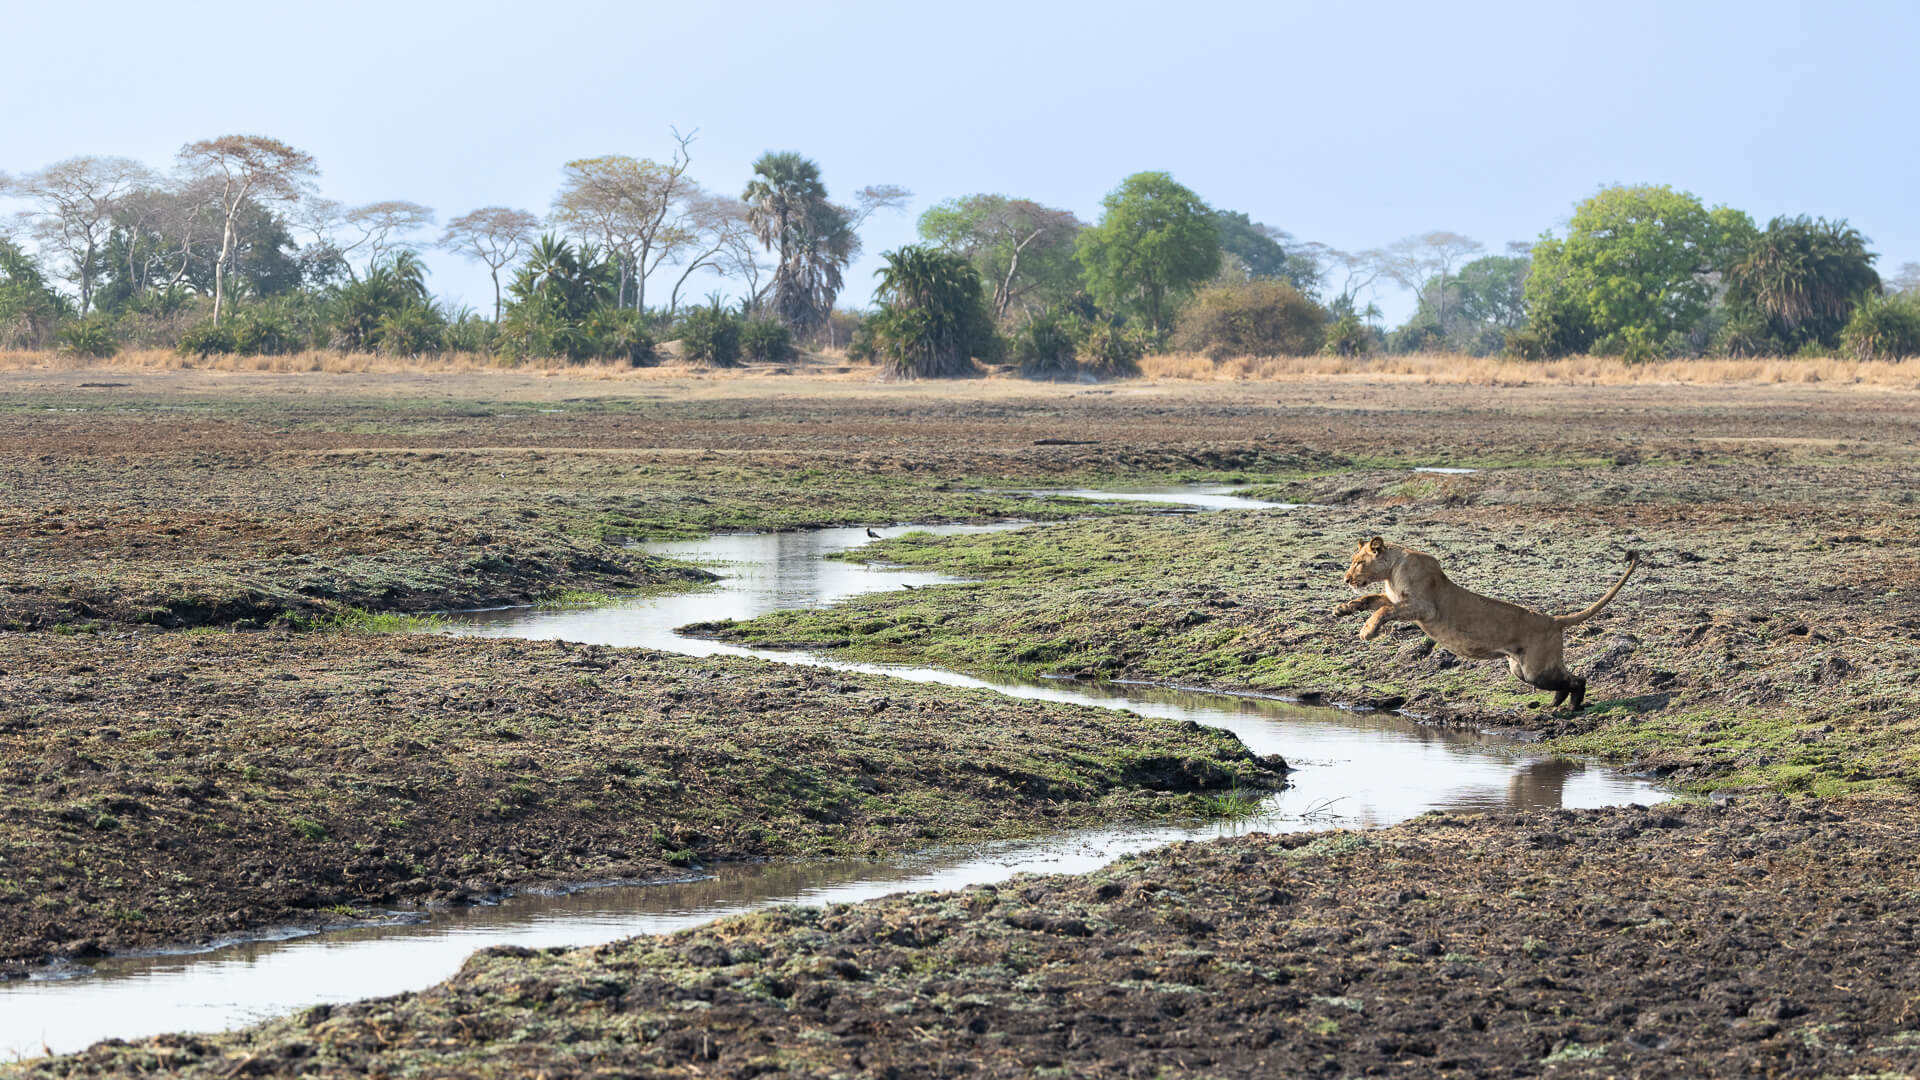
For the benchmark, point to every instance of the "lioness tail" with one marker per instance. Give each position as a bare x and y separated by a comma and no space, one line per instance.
1633,560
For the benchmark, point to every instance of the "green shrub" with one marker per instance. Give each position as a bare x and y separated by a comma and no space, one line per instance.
207,340
623,334
1108,349
260,332
768,342
710,335
1347,335
411,330
860,347
1526,345
1884,328
93,336
1253,318
1047,346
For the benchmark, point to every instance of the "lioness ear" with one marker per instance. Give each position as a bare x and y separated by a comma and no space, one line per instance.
1376,543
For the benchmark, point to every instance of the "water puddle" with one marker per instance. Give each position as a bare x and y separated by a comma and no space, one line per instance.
1447,469
1357,769
1183,499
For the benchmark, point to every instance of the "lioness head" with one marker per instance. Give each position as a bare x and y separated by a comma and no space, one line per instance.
1373,562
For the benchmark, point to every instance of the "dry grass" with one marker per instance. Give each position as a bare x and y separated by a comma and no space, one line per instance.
330,362
1499,371
1186,367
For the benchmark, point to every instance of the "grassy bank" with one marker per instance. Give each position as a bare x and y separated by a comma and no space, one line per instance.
1752,649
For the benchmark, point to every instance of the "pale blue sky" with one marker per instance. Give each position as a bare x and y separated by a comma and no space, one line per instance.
1349,124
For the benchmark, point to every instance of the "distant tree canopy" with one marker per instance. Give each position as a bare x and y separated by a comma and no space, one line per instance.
234,249
1802,277
1022,250
28,307
1155,242
1255,252
1485,301
1634,275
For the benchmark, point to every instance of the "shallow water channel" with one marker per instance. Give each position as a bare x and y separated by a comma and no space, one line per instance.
1352,769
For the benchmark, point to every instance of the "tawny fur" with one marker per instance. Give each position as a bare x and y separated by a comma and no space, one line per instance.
1465,623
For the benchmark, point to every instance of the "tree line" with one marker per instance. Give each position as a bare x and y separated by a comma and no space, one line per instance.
234,250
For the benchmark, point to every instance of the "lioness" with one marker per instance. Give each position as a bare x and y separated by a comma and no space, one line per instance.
1464,622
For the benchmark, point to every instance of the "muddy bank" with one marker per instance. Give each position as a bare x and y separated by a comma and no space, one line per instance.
162,788
1769,938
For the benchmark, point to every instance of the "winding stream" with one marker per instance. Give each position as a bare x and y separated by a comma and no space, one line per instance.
1354,769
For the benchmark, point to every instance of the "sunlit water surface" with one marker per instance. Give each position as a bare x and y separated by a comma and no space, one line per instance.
1352,768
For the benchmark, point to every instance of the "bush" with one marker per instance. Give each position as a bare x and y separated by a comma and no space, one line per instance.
710,335
1109,349
933,321
207,340
1047,346
92,336
1526,344
471,333
411,330
1349,336
860,347
622,334
1254,318
1884,328
262,332
767,342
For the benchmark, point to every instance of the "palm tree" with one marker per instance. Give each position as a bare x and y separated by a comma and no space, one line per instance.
936,318
788,211
1804,276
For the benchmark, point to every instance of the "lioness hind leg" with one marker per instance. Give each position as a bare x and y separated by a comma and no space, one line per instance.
1564,685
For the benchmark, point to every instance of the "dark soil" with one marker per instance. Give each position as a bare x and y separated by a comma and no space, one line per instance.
165,788
1766,939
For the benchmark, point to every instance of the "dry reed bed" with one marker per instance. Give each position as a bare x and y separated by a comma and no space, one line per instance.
338,363
1495,371
1418,367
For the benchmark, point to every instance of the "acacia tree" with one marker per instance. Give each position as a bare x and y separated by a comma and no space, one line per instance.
1155,242
1019,246
381,226
1416,261
78,199
158,232
635,208
1346,274
494,235
725,244
250,169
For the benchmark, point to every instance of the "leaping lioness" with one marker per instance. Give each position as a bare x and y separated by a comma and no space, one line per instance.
1464,622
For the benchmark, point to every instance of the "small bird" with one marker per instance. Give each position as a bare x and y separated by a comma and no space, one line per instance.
873,535
904,585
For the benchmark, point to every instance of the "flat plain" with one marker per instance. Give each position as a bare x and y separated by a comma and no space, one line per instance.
213,670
